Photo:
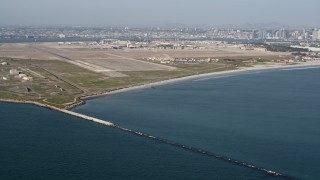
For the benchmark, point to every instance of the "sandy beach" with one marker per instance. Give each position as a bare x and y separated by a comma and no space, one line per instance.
262,67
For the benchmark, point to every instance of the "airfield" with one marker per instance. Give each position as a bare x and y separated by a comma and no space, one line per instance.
112,62
61,76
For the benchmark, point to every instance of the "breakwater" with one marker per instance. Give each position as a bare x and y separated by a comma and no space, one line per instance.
159,140
85,117
206,153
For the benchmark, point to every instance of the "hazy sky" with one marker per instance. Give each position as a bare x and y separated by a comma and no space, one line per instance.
158,12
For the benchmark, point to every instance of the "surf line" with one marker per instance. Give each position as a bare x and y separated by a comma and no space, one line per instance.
205,153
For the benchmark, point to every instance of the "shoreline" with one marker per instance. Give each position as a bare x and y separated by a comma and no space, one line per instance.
263,67
67,109
257,68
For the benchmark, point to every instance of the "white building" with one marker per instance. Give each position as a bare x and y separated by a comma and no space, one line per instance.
22,75
316,35
27,78
61,36
14,72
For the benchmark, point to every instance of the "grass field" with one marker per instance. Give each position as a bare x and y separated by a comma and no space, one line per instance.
62,82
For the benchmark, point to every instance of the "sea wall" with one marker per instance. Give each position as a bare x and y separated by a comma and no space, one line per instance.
85,117
156,139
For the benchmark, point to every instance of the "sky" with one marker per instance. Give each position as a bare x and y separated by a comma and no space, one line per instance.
159,12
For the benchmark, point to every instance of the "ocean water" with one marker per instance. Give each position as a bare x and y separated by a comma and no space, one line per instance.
269,119
37,143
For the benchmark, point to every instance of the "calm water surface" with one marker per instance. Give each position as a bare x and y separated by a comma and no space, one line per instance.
38,143
270,119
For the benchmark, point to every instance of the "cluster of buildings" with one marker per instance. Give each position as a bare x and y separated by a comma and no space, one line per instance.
121,44
170,60
141,34
20,75
283,34
8,73
14,73
311,56
161,44
298,59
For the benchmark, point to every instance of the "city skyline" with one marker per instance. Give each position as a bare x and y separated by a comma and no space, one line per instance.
159,13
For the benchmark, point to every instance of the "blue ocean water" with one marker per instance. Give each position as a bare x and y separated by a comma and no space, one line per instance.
270,119
37,143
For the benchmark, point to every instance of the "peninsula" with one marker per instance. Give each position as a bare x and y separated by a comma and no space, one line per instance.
63,75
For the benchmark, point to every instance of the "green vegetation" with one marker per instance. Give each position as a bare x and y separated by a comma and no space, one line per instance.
283,48
60,83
